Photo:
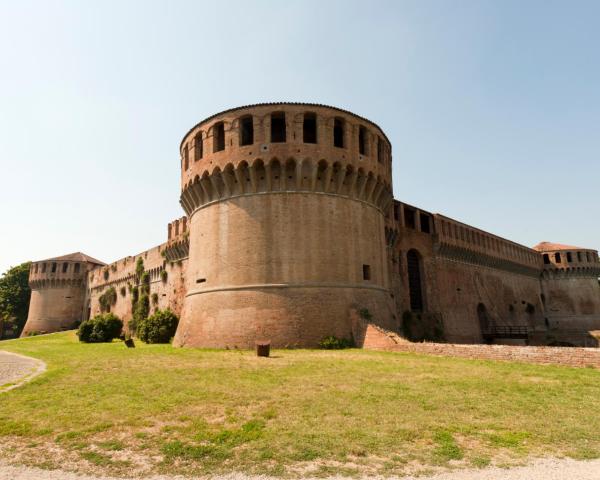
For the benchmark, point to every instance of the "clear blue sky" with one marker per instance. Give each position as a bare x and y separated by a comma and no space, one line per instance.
493,108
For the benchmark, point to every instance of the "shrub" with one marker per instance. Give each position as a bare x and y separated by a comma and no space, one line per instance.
155,299
141,308
107,299
334,343
158,328
101,328
164,275
139,267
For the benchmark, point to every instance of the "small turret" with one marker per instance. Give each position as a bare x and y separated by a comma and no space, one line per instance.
58,290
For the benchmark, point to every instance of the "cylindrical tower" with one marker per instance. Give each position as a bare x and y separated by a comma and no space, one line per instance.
286,207
58,290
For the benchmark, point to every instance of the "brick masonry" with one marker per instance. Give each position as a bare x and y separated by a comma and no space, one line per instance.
376,338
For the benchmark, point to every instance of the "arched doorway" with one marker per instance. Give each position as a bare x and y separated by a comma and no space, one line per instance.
415,290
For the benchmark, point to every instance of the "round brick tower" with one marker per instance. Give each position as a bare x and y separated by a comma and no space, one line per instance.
286,207
58,291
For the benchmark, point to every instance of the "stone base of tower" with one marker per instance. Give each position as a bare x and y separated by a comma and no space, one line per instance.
288,316
54,310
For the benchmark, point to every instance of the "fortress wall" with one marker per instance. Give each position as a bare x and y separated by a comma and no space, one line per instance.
286,267
286,226
121,274
55,308
508,298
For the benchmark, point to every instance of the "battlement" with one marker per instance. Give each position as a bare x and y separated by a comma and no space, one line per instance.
60,271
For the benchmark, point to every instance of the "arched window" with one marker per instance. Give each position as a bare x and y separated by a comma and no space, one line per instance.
218,137
413,264
546,259
362,140
246,130
278,133
569,257
557,257
309,128
338,133
198,147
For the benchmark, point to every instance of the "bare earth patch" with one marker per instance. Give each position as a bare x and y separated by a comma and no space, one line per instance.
542,469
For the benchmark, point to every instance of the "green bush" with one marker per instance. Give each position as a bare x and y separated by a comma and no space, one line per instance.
102,328
160,327
164,275
107,299
141,309
334,343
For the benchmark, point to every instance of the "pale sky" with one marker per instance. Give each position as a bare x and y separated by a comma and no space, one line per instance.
492,108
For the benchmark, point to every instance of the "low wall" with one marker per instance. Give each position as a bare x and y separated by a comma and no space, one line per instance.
378,339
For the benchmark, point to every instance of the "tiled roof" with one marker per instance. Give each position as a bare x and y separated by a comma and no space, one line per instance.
76,257
551,247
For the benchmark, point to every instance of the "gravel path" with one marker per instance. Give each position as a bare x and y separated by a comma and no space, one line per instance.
547,469
17,369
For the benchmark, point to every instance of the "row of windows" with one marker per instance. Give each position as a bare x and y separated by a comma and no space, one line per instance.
410,219
581,257
471,236
54,267
278,134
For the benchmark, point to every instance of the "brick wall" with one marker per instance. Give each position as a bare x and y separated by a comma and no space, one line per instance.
378,339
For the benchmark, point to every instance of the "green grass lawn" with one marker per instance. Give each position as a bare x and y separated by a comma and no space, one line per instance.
102,407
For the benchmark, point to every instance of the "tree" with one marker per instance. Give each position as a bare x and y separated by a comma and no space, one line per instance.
14,297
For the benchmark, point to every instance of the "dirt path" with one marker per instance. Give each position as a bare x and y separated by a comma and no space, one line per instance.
547,469
16,369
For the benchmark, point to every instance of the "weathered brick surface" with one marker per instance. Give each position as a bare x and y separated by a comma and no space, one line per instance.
378,339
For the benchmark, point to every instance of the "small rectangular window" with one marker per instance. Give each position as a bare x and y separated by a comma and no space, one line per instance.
246,131
379,150
54,267
557,257
198,147
309,128
278,128
65,266
569,257
366,272
338,133
409,218
425,224
201,280
362,140
186,157
218,137
76,268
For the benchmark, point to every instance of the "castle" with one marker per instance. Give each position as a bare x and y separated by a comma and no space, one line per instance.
291,233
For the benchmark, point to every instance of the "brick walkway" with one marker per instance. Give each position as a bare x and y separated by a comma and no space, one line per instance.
15,369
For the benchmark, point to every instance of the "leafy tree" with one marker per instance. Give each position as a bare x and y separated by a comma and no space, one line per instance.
14,297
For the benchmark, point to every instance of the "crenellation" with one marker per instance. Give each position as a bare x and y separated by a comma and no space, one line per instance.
291,229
